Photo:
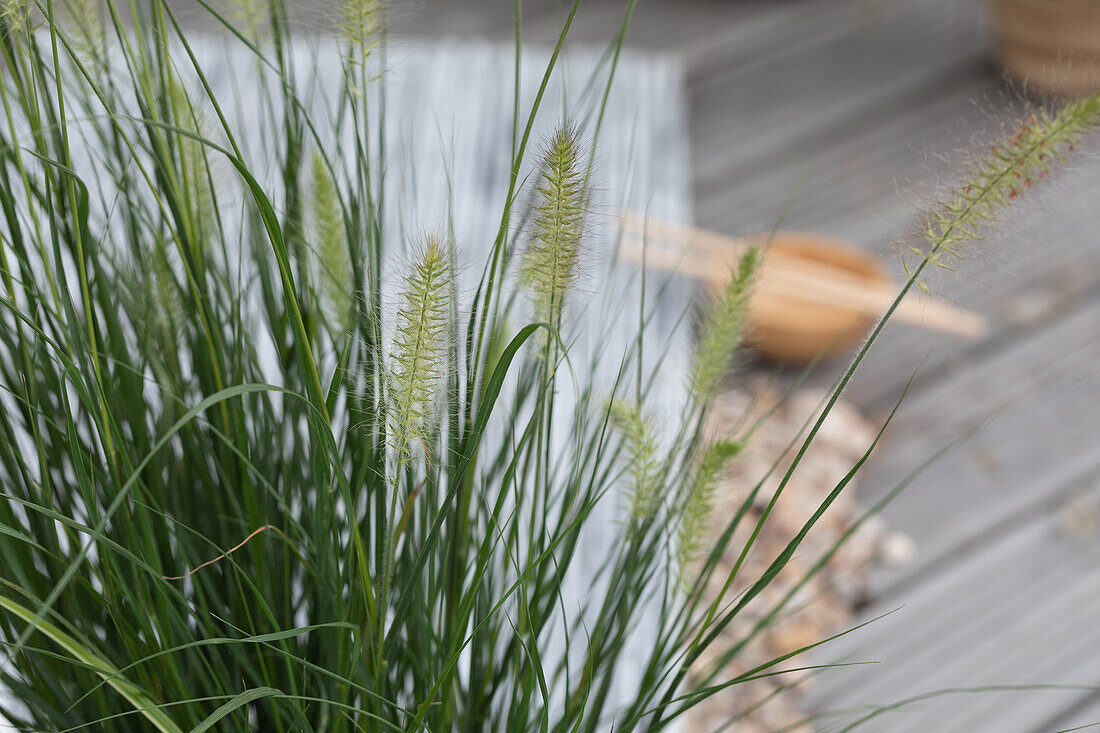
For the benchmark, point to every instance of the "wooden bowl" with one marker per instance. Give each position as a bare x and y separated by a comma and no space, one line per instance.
784,327
1050,46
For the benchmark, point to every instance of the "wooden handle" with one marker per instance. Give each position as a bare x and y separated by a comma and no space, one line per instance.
709,256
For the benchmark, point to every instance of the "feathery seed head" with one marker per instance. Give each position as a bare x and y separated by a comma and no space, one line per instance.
699,496
333,260
152,292
250,15
168,311
549,264
14,14
723,329
362,24
1012,167
419,355
643,455
84,23
194,166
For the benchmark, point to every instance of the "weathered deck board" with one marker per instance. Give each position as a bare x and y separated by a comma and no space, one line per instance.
1011,612
1046,389
1085,711
820,85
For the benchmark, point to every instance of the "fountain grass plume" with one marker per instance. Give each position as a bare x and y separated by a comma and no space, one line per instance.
362,24
1012,167
549,265
419,355
14,14
698,500
331,247
644,457
721,333
193,166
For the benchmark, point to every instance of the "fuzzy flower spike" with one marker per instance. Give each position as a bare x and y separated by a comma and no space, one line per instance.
549,265
362,23
643,450
698,501
1014,165
419,356
14,14
722,331
333,260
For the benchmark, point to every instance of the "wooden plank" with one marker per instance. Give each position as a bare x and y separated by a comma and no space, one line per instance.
850,178
854,147
1046,389
1018,609
750,115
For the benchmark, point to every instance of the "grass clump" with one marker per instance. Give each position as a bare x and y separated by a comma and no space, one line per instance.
241,493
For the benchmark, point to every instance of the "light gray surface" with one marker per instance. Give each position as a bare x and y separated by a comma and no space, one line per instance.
999,594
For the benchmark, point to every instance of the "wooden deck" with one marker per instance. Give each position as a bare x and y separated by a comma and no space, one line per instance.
847,114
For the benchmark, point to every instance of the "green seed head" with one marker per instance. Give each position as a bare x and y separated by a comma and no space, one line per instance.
419,357
362,24
333,260
723,329
249,15
643,455
549,265
83,22
193,166
1012,167
14,14
698,498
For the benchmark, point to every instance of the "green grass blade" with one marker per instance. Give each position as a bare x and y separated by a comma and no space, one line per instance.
104,669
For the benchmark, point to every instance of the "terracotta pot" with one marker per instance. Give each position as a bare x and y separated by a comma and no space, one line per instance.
1050,46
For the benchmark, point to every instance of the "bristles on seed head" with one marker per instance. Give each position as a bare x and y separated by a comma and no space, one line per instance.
362,24
14,14
723,329
333,259
644,465
194,165
250,15
419,355
1011,168
549,265
699,498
